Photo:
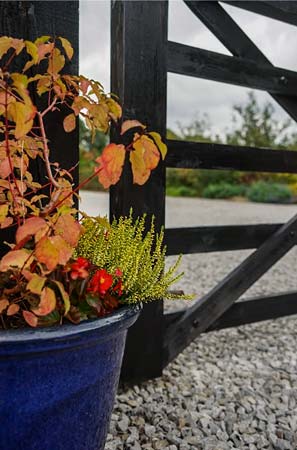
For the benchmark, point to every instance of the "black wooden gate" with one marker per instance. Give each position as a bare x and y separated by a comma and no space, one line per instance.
141,57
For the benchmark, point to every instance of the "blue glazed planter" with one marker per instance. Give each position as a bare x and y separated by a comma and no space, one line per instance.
57,385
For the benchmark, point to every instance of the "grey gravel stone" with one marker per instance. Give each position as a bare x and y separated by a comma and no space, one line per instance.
231,389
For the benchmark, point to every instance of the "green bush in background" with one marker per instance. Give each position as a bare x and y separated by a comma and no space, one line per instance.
224,190
252,125
266,192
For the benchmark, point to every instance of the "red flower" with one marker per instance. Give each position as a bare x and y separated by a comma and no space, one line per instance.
100,282
79,268
119,288
118,272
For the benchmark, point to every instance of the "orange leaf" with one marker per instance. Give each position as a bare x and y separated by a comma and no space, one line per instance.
144,158
30,318
111,164
3,304
5,169
36,284
128,124
12,309
30,228
5,45
46,253
47,302
69,123
67,47
15,258
64,250
69,229
56,62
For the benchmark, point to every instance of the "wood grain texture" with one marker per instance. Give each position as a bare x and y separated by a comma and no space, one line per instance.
201,155
196,62
217,238
218,21
285,11
138,77
213,305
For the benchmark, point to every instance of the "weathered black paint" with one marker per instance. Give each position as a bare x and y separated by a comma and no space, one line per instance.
138,77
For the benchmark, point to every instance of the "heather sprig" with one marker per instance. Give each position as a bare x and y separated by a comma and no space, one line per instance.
137,252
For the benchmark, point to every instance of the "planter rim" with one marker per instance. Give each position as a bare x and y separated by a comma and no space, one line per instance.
71,331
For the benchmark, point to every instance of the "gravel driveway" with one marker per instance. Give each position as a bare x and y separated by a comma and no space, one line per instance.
231,389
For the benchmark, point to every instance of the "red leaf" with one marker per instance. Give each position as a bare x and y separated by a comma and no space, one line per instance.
12,309
5,169
30,228
30,318
15,258
3,304
69,123
47,302
69,229
111,164
128,124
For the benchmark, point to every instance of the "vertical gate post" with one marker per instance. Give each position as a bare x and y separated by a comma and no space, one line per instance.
139,78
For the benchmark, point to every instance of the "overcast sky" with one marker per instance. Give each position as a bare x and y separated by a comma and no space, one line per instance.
189,97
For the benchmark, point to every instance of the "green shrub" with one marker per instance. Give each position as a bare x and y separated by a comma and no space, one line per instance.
180,191
223,190
266,192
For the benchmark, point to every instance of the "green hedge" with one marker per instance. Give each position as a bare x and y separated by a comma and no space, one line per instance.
223,190
266,192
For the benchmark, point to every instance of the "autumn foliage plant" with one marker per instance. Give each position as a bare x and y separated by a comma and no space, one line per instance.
48,275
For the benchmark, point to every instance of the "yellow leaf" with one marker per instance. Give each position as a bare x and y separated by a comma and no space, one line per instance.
36,284
23,115
69,123
144,158
111,164
128,124
30,318
15,258
67,47
3,304
46,253
12,309
64,295
64,250
30,228
56,62
161,146
32,50
41,40
3,212
47,302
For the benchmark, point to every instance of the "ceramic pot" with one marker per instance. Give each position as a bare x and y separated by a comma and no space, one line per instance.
57,385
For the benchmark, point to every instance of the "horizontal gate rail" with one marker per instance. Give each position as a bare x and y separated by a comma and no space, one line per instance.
200,63
209,308
235,40
201,155
280,10
248,311
217,238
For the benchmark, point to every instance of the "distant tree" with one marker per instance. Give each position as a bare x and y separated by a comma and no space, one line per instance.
257,126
